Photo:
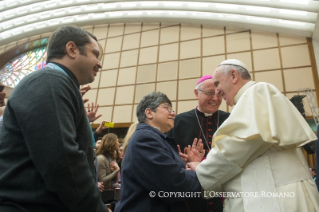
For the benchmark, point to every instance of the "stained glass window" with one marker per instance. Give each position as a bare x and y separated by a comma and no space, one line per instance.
19,67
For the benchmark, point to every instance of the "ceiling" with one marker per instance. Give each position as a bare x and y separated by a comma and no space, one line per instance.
24,18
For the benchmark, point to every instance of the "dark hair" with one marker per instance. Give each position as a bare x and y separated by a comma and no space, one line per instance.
151,101
313,169
63,35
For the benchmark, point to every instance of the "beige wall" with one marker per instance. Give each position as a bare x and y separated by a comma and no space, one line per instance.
141,58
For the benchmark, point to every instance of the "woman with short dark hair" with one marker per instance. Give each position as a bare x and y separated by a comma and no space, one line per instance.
152,164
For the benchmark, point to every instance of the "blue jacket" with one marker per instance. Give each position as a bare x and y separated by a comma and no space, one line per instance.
152,164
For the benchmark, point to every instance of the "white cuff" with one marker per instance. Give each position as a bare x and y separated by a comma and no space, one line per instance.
216,170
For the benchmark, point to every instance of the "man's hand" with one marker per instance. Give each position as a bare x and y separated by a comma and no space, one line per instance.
196,152
91,112
100,186
85,89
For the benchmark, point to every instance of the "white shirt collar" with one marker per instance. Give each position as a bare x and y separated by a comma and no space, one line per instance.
206,114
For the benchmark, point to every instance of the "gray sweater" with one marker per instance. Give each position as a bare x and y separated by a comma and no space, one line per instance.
46,155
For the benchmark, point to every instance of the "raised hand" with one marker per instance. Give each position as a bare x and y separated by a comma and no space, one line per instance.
85,89
196,152
91,112
183,156
101,127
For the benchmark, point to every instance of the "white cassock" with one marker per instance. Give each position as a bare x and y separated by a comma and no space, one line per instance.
257,149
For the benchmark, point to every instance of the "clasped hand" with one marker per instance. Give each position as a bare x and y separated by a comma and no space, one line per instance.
114,166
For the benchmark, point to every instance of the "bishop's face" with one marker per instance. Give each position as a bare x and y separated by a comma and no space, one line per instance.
208,100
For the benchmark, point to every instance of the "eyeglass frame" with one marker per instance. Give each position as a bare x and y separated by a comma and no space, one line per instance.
207,93
169,111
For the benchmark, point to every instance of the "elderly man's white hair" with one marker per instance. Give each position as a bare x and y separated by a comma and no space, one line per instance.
231,64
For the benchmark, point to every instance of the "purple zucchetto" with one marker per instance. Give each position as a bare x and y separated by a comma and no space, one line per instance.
206,77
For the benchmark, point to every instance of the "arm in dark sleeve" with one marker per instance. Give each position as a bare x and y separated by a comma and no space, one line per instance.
157,170
96,136
48,119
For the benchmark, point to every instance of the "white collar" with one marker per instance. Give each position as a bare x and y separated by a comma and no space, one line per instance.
206,114
242,90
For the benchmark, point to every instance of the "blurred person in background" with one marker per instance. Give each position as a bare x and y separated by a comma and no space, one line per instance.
98,143
107,154
313,173
2,105
128,135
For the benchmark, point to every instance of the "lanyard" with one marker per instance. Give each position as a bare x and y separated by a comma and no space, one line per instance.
51,65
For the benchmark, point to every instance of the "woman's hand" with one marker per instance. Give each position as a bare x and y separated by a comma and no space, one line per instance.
100,186
183,156
114,166
192,166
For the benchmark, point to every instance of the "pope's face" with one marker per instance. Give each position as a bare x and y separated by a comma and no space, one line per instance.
224,86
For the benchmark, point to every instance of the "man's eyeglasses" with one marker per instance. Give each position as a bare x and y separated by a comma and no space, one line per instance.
208,93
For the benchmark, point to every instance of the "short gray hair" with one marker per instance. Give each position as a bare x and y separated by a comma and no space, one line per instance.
151,101
199,85
242,71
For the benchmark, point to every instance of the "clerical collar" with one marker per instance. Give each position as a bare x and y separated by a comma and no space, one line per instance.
242,90
68,72
205,114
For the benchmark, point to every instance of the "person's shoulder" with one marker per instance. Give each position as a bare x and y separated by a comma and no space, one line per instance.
147,135
265,87
145,132
186,114
37,77
101,157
